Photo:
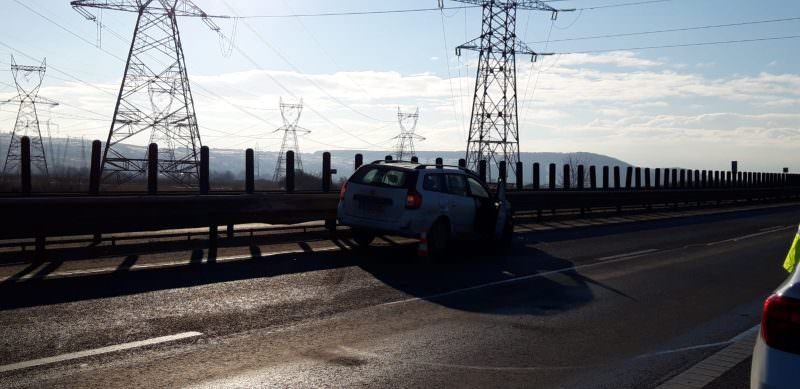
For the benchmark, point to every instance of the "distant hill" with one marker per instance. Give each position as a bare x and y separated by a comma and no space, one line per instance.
63,155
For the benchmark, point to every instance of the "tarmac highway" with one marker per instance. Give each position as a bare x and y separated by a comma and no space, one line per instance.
600,306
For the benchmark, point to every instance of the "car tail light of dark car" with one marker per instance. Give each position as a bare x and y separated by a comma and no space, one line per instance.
413,200
342,191
780,323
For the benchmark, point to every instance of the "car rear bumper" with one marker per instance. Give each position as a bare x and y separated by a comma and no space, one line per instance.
406,228
773,368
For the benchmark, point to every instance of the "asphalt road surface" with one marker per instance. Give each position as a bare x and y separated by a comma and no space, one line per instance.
616,306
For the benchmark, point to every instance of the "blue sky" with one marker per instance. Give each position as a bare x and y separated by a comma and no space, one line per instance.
697,107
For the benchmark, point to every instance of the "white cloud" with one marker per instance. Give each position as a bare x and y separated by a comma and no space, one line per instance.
617,103
617,58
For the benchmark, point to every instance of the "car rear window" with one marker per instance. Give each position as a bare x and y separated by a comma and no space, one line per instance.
456,184
433,182
382,176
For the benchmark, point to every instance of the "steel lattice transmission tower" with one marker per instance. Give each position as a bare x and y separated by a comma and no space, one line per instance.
404,148
494,126
291,116
28,80
155,100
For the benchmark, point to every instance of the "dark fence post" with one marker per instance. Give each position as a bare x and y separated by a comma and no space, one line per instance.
212,242
696,178
683,178
605,177
249,171
519,172
581,176
502,174
326,172
657,179
628,177
728,179
25,165
638,177
674,178
689,182
647,178
462,162
593,177
152,169
290,171
616,178
666,178
359,160
566,179
94,172
41,245
716,178
482,170
536,176
705,179
551,177
204,184
739,176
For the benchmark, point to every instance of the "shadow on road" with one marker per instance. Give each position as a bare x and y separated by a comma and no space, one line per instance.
514,288
519,280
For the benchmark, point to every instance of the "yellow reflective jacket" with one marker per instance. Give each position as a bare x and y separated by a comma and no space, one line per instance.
793,256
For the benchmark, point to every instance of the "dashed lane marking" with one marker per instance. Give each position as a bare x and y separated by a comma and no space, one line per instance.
98,351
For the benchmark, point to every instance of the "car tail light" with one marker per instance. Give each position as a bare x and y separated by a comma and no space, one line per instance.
413,200
342,191
780,323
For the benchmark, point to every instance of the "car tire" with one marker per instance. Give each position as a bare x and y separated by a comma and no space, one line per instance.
363,238
438,238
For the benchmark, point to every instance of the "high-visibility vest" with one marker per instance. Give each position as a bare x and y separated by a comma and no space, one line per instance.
794,256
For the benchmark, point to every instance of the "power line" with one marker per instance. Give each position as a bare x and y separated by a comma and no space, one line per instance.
686,45
621,5
296,69
287,90
411,10
346,13
672,30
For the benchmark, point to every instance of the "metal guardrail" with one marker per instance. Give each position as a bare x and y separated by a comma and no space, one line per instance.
41,215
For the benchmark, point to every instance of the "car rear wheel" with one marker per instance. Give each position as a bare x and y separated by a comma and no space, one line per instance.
438,238
363,238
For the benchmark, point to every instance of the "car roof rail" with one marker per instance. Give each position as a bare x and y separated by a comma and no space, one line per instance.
422,166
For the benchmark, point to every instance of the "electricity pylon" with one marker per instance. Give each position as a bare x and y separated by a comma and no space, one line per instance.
494,126
155,95
291,116
28,80
404,148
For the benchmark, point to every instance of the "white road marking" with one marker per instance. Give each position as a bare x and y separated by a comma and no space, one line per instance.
98,351
773,228
748,236
624,257
706,371
742,336
633,254
597,262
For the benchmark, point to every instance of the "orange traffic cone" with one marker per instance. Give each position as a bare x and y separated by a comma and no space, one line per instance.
422,248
